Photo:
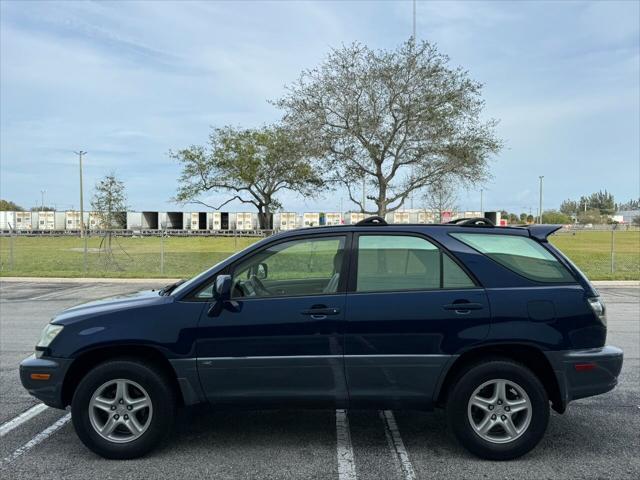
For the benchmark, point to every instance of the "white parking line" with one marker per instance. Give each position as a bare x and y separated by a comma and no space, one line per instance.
396,444
39,438
346,463
20,419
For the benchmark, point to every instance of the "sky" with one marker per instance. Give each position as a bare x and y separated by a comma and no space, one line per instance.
129,81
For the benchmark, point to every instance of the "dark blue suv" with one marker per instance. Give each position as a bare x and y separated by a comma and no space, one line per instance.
493,324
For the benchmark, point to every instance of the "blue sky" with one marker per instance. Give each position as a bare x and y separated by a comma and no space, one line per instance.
129,81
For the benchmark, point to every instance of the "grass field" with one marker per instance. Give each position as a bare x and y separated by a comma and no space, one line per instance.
186,256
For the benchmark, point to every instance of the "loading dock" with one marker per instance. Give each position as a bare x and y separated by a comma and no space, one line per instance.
150,220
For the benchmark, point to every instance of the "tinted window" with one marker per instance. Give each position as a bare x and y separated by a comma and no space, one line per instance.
453,276
397,262
299,267
520,254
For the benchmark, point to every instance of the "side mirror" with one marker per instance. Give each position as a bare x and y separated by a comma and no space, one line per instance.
222,292
262,271
222,296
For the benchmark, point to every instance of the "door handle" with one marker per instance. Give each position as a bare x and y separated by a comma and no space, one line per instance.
322,311
463,307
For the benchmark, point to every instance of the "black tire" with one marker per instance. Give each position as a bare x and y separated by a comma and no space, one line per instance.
475,376
157,386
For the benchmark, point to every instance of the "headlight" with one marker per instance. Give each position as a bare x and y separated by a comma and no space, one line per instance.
48,334
598,308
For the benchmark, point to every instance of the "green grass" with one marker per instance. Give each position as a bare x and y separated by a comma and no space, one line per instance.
132,257
591,252
186,256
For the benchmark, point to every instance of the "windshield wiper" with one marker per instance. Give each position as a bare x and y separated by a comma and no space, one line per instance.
169,288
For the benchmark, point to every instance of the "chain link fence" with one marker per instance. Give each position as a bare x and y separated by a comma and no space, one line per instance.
601,252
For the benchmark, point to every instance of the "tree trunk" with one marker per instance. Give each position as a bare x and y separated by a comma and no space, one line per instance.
382,198
265,219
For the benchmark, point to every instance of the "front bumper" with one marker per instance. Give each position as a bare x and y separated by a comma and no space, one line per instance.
49,390
584,373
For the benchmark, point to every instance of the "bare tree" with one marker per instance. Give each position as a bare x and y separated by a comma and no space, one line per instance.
109,206
253,166
397,119
441,196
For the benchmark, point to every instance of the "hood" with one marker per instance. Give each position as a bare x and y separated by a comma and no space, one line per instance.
111,304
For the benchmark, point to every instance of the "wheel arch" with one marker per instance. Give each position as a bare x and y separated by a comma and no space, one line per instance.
84,362
528,355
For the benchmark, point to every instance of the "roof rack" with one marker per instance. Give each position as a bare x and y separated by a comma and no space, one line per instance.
473,222
374,221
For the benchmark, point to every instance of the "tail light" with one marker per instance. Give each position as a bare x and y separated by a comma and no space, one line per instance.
598,308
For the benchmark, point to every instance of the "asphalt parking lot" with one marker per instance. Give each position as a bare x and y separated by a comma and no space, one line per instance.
598,437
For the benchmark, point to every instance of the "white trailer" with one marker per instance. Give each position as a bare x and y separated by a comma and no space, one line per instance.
355,217
220,221
312,219
24,221
401,217
246,221
197,221
7,220
333,218
288,221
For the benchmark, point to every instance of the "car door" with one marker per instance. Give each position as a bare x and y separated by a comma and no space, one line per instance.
409,309
283,342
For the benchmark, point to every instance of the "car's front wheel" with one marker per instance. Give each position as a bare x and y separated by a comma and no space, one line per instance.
498,409
123,408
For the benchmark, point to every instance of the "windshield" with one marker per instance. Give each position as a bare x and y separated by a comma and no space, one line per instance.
183,287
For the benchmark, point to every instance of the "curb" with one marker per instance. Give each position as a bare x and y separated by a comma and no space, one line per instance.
166,281
162,281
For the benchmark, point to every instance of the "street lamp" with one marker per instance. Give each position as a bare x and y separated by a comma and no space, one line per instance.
540,207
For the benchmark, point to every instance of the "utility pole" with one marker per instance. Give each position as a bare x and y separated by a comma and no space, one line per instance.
42,192
80,153
414,21
364,191
482,202
540,208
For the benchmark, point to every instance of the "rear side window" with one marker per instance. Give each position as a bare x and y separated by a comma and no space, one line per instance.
520,254
402,262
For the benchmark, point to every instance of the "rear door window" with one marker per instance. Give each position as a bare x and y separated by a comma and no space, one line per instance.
403,262
523,255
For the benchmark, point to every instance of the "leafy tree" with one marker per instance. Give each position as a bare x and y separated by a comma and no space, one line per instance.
592,216
109,202
529,218
253,165
636,220
441,197
603,201
630,205
398,120
555,217
569,207
9,206
523,217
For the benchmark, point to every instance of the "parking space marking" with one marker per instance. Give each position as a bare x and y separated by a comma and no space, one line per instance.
39,438
9,425
346,463
396,444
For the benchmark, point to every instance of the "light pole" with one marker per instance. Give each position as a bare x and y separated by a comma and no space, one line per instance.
482,202
540,198
42,192
414,20
80,153
364,191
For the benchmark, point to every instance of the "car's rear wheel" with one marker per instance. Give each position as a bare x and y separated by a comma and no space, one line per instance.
123,408
498,409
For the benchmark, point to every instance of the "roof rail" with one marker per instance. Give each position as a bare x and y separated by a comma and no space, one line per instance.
374,221
473,222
